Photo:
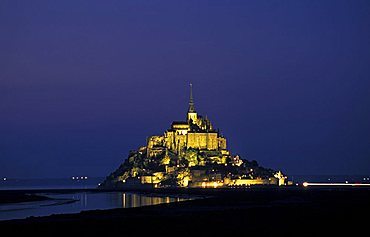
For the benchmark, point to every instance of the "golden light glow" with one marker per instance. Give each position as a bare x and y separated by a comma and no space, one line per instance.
186,181
212,184
124,200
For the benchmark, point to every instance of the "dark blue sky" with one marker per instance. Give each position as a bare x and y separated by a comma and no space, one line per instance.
84,82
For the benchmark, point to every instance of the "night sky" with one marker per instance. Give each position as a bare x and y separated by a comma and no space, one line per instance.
84,82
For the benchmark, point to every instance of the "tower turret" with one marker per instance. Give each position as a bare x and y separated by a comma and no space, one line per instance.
192,114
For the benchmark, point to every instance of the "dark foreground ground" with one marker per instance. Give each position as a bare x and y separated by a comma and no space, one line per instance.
291,211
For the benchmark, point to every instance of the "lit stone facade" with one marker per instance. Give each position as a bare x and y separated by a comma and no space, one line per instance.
196,132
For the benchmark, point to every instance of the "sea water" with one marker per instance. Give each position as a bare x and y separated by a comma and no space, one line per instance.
80,201
72,201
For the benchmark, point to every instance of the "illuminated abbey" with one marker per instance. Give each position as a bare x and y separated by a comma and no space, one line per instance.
190,153
196,132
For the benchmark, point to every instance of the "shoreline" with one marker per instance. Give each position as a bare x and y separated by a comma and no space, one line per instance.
29,195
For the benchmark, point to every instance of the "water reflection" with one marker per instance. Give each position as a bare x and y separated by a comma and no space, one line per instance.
137,200
83,201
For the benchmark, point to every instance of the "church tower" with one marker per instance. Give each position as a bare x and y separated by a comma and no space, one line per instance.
192,114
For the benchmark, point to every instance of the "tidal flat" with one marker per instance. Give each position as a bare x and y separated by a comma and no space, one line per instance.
287,211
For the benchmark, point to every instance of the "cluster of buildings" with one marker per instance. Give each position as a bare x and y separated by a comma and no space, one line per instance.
190,153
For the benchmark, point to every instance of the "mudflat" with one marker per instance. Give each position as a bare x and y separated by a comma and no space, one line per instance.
286,211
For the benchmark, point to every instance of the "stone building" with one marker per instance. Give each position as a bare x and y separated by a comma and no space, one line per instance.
196,132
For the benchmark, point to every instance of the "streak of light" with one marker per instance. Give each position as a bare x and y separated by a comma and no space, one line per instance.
306,184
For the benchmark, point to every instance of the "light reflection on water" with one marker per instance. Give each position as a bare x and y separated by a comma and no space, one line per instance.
135,200
83,201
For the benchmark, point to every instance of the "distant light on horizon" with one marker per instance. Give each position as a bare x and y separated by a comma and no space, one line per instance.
77,177
306,184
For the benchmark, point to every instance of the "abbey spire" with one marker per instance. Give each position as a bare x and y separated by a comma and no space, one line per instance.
191,101
192,114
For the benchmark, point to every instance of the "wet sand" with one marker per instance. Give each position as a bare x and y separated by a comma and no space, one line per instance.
287,211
